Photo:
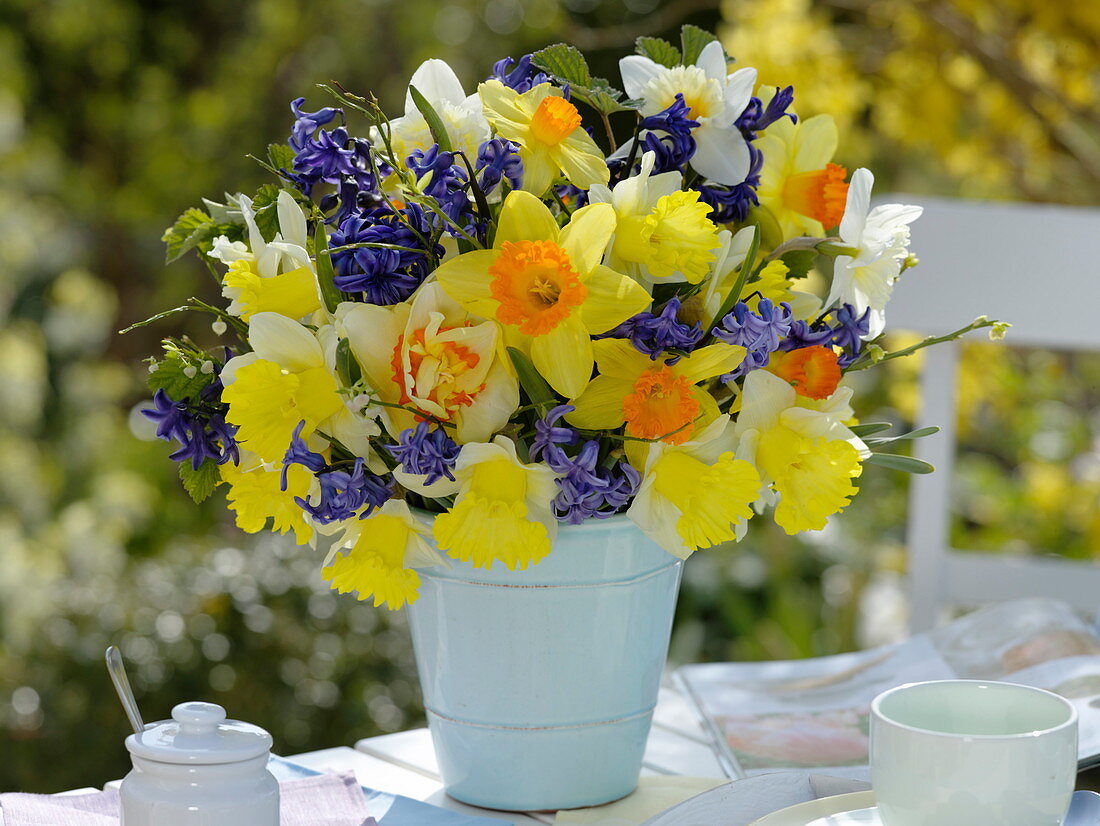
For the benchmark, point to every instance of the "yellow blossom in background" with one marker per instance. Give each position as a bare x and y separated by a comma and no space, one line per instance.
502,510
547,128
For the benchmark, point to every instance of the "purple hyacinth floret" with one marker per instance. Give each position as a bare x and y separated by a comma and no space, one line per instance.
299,454
759,333
849,330
732,203
426,452
588,490
522,76
497,160
306,123
343,494
550,437
447,184
803,334
758,117
674,147
655,333
384,276
201,429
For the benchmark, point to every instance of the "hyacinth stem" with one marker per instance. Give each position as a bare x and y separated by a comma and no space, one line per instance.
866,360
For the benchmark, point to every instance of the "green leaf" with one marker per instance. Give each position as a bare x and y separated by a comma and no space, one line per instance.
692,41
538,391
431,117
326,275
192,227
870,428
200,483
913,434
658,50
906,464
346,364
171,378
564,62
264,204
281,156
799,262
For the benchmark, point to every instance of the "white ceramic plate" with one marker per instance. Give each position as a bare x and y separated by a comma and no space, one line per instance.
804,813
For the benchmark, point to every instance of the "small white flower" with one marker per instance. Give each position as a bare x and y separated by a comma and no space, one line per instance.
190,371
881,236
207,368
219,327
716,100
154,367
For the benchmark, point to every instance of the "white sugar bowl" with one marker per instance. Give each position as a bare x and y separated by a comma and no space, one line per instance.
200,769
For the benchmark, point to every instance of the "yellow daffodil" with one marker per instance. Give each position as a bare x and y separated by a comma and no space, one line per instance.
255,495
430,355
801,448
546,286
662,232
385,548
655,400
289,377
276,276
502,511
696,494
548,130
798,184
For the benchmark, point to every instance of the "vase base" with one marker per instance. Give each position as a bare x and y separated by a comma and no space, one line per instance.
531,770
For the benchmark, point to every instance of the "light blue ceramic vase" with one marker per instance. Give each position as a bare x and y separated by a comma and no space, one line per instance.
539,685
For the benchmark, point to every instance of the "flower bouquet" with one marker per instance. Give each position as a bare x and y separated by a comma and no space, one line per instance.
464,336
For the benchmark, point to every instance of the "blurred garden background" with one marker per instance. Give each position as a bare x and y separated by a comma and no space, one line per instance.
116,115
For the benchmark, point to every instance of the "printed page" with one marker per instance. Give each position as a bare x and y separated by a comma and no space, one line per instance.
804,714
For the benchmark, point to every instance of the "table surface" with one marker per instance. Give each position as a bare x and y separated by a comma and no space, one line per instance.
404,763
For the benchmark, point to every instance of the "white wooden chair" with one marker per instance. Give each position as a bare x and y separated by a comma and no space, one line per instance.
1037,267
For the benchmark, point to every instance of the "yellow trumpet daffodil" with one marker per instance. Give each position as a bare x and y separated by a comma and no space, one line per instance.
289,377
385,549
546,286
654,399
548,130
696,494
502,511
255,495
662,232
802,449
429,354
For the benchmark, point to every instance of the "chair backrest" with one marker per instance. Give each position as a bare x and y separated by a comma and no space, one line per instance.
1036,267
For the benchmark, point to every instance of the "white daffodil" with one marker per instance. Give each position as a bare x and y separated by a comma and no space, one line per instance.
716,99
461,114
275,276
662,232
290,377
881,235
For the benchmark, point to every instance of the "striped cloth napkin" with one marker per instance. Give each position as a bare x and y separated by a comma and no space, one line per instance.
324,800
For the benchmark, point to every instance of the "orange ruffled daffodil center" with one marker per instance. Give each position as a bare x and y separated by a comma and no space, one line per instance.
554,120
813,372
436,366
536,285
660,406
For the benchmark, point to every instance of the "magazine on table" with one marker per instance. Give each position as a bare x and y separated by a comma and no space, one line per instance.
814,714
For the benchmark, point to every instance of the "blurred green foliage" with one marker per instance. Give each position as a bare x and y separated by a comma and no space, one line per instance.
115,115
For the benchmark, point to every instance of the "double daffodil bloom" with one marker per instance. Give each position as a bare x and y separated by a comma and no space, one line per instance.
654,399
798,184
801,448
546,286
276,276
430,355
502,511
696,494
662,232
385,548
548,130
289,377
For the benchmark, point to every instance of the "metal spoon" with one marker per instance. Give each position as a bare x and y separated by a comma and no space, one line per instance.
122,686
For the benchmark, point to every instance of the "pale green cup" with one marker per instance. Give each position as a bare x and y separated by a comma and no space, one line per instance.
972,753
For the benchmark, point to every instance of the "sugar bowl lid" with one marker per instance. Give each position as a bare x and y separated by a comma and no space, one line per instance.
199,733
